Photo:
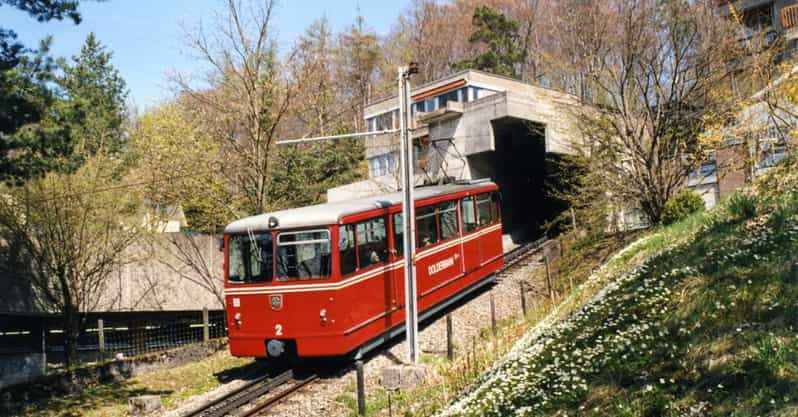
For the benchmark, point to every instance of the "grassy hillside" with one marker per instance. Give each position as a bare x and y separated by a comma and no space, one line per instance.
697,319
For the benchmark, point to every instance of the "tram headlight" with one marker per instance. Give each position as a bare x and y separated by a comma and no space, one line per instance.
273,223
323,316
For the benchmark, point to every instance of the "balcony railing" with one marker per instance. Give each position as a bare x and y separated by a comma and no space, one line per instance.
789,16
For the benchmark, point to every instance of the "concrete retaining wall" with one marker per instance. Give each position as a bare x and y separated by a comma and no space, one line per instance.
19,368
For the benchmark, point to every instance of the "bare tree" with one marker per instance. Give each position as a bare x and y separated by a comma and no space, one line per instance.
654,69
245,96
65,234
191,258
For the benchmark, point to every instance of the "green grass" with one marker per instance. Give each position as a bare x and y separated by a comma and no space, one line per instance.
447,378
173,384
699,318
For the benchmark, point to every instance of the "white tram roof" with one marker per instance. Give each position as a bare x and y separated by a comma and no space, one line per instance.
332,213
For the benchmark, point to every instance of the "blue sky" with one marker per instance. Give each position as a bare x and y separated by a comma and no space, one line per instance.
147,41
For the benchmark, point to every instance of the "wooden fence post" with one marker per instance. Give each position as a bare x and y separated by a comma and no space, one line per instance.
573,221
523,297
43,325
206,334
101,338
474,353
361,389
493,314
449,335
548,279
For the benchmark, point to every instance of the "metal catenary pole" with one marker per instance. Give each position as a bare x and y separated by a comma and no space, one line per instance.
408,215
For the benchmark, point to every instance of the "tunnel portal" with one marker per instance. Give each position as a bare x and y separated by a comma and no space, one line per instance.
526,175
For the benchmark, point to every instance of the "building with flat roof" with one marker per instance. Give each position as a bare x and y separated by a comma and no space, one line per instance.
473,125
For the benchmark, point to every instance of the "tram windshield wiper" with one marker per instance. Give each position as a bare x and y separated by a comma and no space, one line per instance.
254,243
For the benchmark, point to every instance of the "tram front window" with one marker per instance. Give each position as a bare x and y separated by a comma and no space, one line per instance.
303,255
250,258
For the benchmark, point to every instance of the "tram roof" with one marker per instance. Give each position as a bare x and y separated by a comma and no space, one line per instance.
332,213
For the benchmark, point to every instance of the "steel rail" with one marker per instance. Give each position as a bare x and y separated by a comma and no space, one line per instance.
280,396
520,253
228,403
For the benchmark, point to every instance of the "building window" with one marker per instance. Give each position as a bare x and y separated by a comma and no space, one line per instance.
431,104
634,219
772,154
474,93
385,121
382,165
447,97
760,18
706,173
421,149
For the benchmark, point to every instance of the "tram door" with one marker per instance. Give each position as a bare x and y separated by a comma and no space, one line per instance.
472,250
364,253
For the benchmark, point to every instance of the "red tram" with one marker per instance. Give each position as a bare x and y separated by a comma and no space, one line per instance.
328,280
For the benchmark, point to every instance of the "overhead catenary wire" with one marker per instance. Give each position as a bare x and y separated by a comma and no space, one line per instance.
207,171
150,182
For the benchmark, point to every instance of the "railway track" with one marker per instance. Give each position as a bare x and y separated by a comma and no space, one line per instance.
263,392
515,257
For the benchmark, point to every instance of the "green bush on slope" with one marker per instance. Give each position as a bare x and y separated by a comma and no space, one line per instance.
682,205
704,326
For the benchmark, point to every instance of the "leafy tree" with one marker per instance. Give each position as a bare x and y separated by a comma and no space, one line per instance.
23,93
500,43
303,173
94,110
180,162
71,231
25,99
83,113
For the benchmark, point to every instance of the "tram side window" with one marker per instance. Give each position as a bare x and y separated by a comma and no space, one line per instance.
250,258
303,255
483,208
495,207
398,235
469,214
346,249
447,217
372,242
426,226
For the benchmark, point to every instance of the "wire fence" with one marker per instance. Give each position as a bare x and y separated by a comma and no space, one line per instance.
109,335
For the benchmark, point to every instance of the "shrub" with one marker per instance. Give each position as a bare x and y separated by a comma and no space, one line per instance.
682,205
742,206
